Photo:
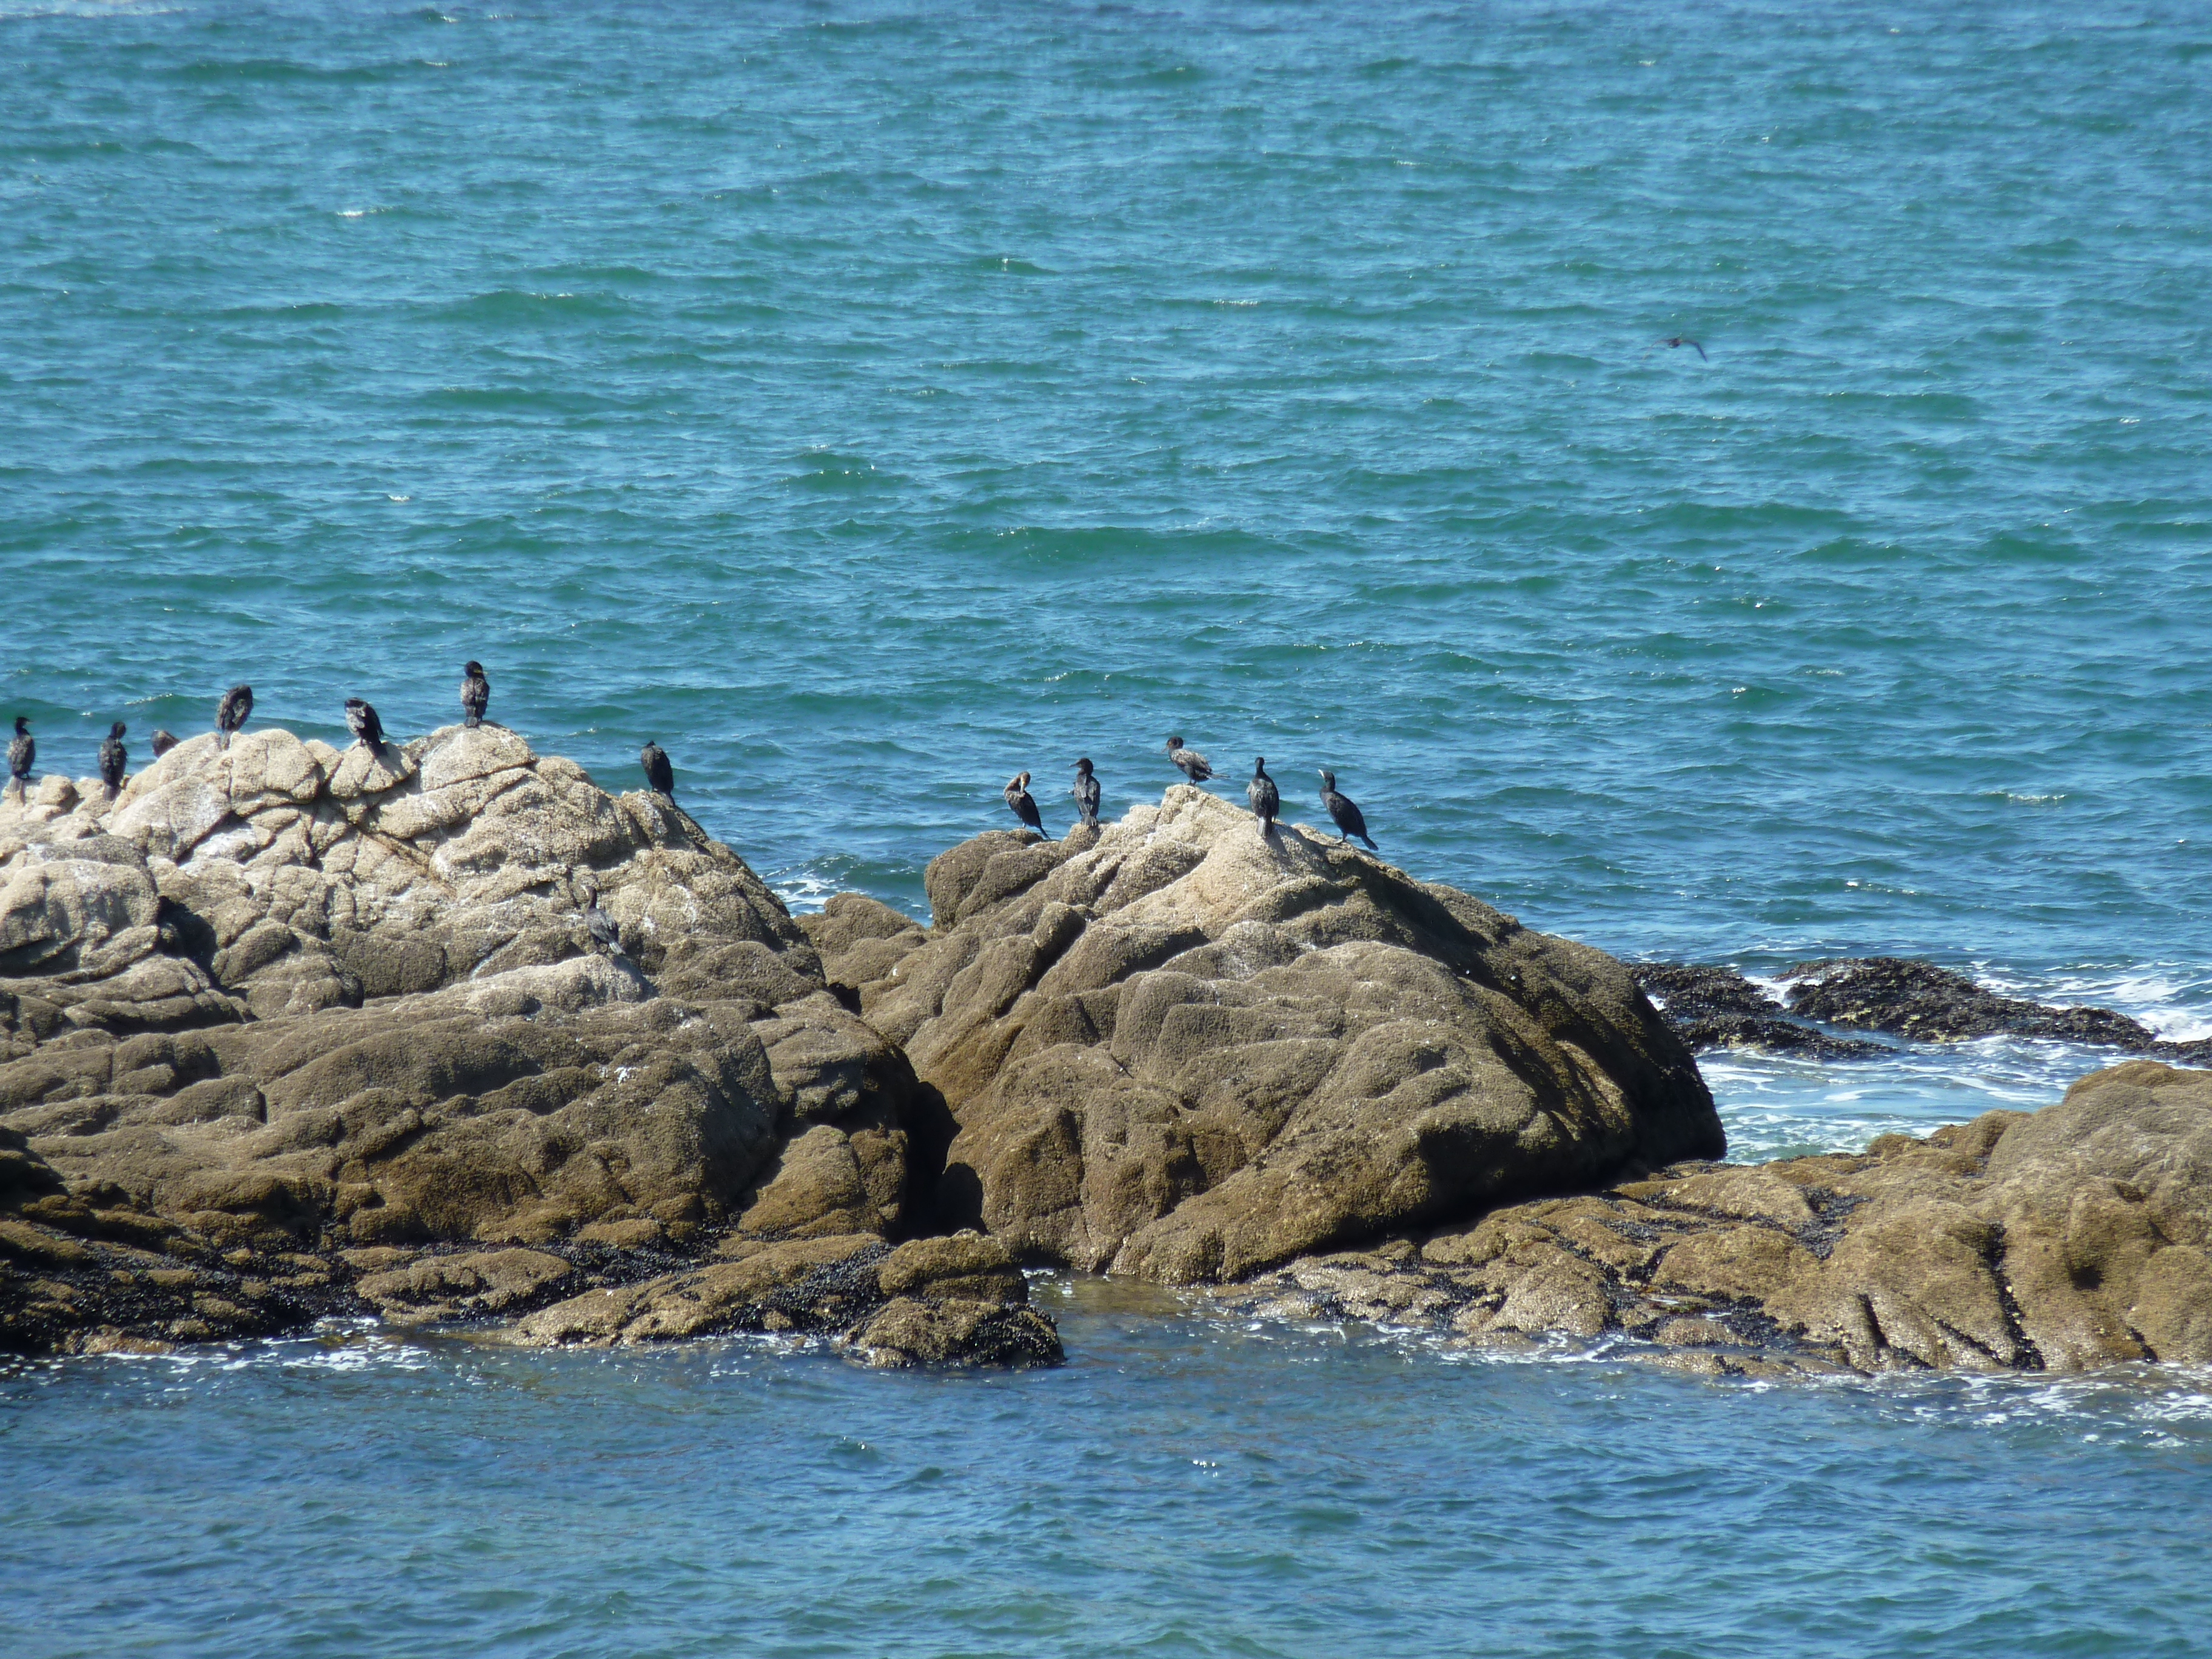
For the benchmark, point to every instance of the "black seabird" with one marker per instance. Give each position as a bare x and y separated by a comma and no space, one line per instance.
1086,794
1192,765
22,753
113,759
476,693
1018,798
163,742
1344,811
230,713
659,775
599,924
1267,799
1684,340
361,721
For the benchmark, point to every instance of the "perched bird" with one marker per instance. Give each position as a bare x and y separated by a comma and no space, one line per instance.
599,924
361,721
659,775
22,754
1267,799
476,693
163,742
1018,800
112,758
1344,811
1684,340
230,713
1086,794
1192,765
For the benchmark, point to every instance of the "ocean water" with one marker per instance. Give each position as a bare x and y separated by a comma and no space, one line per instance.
868,402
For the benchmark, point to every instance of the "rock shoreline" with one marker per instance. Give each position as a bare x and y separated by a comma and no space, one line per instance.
1713,1008
288,1033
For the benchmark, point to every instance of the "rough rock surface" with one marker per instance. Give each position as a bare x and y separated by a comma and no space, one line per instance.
280,1000
1178,1048
1720,1008
2075,1237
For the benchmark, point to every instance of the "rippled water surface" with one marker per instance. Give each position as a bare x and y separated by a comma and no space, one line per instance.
867,403
1182,1487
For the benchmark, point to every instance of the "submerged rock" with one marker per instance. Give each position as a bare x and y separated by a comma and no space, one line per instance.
1180,1048
2061,1240
277,1001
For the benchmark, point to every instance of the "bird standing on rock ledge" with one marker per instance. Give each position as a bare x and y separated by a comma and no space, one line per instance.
476,693
114,758
660,776
1192,765
1348,816
1022,804
1085,790
22,755
230,713
1267,799
361,722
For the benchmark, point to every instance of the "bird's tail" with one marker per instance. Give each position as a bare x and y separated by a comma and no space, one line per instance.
1371,846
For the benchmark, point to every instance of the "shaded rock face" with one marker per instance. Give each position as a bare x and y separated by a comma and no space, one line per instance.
2075,1237
281,998
1176,1048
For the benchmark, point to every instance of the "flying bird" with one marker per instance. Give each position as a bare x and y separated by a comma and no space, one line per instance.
1345,812
230,713
1684,340
22,754
1085,792
163,742
361,722
1192,765
113,759
1023,806
476,693
1267,799
659,776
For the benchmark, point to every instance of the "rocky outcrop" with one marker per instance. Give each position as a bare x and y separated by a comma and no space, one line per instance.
1720,1008
1176,1048
279,1000
2075,1237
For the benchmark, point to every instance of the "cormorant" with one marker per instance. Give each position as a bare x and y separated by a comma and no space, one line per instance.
1018,798
599,924
361,719
1684,340
659,775
1086,794
163,742
112,758
22,753
1344,811
230,713
1192,765
476,693
1267,799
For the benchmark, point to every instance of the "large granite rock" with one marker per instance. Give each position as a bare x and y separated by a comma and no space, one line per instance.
1179,1049
279,999
2075,1237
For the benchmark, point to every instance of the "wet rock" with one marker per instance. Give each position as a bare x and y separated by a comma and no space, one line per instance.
1182,1050
1719,1008
1919,999
2075,1237
930,1302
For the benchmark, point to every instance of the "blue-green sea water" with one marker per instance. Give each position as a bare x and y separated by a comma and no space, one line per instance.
868,402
